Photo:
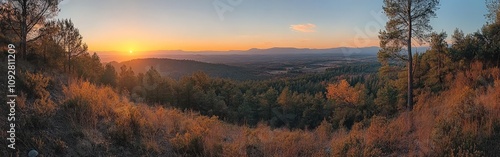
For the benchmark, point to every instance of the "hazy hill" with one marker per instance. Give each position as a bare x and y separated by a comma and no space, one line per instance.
178,68
252,55
338,51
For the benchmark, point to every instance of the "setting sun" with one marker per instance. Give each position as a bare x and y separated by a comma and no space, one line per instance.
250,78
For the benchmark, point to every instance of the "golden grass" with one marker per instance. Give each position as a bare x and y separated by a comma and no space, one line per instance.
461,121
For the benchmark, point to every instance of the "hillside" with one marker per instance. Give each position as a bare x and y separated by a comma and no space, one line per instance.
82,119
272,87
179,68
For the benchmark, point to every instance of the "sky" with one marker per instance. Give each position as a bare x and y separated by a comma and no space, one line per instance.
198,25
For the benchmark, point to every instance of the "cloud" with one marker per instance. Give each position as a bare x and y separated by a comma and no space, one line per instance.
306,28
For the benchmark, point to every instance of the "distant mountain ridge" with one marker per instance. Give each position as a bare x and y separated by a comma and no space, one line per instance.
372,50
273,50
291,50
242,55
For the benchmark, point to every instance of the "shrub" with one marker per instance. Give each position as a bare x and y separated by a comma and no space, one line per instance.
188,144
80,111
36,84
36,106
88,104
126,126
349,144
462,131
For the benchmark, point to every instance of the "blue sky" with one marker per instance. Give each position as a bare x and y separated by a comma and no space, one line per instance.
134,25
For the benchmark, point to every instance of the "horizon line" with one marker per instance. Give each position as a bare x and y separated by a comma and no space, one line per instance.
237,50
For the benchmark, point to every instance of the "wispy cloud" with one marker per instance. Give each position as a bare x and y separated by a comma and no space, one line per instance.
306,28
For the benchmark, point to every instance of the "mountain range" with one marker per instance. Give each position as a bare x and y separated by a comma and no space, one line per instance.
254,54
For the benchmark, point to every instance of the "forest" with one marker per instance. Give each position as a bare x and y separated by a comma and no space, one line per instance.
70,104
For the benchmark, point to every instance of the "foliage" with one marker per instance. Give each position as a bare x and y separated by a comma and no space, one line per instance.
408,20
109,76
176,69
47,53
432,65
25,18
68,37
87,104
88,67
350,110
342,93
493,10
386,101
127,80
36,85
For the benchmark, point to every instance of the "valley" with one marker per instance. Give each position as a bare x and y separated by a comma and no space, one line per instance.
251,64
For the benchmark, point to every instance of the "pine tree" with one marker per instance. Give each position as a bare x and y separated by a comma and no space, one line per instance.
408,19
26,18
109,76
68,37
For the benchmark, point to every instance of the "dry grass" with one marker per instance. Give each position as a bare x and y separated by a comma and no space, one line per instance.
96,121
157,130
461,121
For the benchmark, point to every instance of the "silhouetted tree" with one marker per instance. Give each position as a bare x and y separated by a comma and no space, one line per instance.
151,82
166,91
48,53
88,67
26,17
7,34
109,76
127,80
68,37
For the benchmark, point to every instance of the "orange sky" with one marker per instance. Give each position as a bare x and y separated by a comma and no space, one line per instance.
131,25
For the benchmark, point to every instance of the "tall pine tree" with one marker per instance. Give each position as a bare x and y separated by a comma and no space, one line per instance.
408,20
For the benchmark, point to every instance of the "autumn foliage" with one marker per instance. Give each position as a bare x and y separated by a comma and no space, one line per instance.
342,92
350,110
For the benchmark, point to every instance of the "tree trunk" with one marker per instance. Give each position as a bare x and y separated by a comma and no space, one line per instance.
24,29
69,62
23,42
410,60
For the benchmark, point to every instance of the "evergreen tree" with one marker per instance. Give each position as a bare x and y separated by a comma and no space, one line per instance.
109,76
68,37
127,80
28,16
408,19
